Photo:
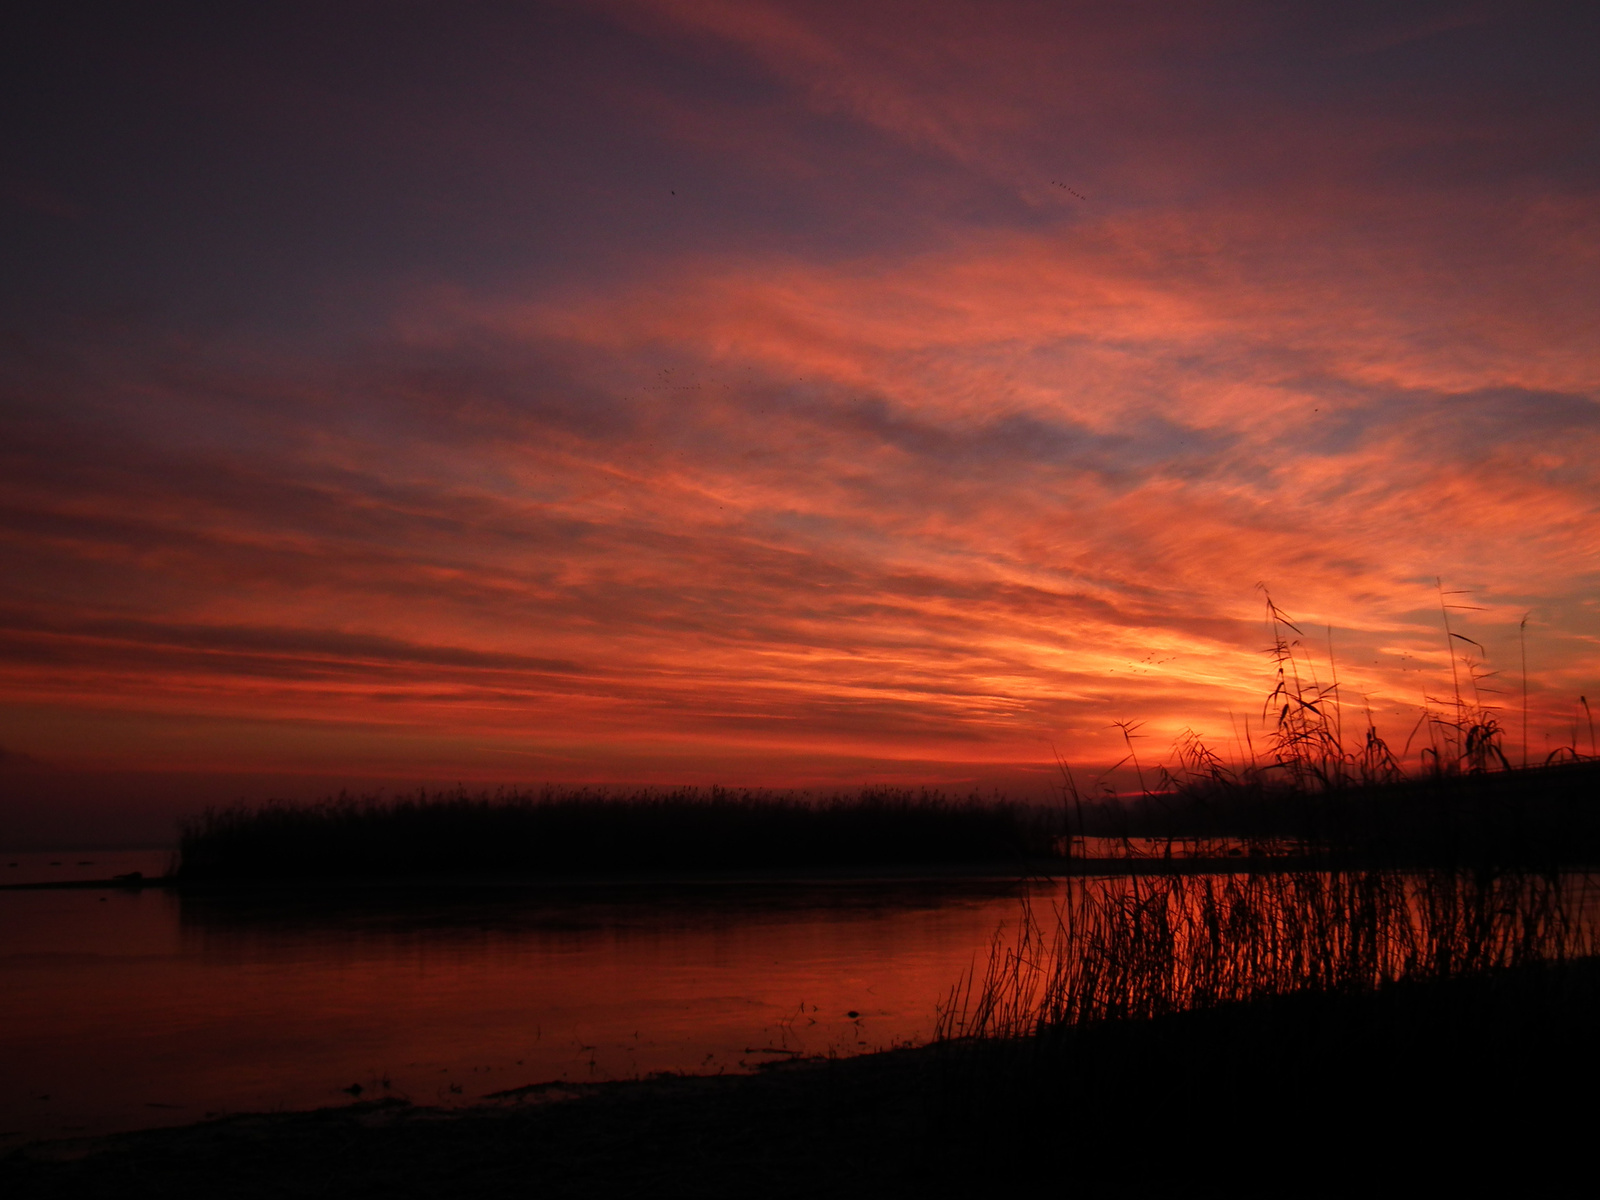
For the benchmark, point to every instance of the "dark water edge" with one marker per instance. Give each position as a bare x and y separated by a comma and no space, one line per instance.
1483,1079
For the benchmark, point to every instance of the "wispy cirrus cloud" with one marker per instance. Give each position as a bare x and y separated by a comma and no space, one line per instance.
819,507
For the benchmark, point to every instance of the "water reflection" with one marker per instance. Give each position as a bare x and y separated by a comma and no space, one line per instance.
150,1008
122,1009
69,866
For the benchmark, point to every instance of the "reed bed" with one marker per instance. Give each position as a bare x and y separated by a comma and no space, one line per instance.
1141,948
553,833
1318,790
1322,779
1542,816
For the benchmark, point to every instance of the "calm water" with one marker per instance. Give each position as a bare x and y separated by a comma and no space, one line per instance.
125,1009
65,866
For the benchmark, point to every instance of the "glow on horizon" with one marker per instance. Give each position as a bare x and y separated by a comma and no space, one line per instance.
770,501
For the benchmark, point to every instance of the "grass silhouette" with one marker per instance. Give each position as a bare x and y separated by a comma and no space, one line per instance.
1319,789
1308,1026
1132,948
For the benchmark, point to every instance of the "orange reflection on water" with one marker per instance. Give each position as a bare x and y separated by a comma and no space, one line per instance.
138,1009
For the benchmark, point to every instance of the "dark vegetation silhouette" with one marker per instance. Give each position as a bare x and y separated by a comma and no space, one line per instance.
1316,1025
1321,790
1395,979
1137,948
1367,973
554,833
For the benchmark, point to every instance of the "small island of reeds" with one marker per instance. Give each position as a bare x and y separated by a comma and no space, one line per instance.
1544,816
1322,787
585,833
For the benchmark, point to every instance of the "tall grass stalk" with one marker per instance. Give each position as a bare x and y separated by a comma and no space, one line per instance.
1132,948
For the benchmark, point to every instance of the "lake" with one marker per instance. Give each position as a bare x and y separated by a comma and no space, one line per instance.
124,1009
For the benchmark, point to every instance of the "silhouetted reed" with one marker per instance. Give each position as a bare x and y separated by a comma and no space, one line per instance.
1542,816
1285,1024
583,832
1141,948
1317,792
1316,788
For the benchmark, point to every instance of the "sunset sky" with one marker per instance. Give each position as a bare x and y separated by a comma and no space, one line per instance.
775,394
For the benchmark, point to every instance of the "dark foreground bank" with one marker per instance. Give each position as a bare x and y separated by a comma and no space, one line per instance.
1413,1086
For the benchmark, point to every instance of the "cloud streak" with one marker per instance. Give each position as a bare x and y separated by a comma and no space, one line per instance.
911,506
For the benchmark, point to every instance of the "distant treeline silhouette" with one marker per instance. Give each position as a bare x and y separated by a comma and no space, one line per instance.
599,833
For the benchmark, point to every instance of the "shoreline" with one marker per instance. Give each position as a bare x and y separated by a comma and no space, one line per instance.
1271,1086
976,872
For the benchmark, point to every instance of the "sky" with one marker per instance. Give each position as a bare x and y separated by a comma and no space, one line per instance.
777,394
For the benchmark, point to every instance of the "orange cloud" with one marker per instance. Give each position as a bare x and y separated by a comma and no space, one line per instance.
785,512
